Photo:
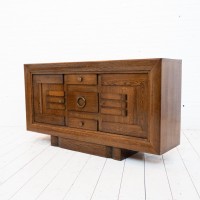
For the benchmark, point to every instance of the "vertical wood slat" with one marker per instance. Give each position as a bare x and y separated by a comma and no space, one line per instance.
40,98
66,103
54,141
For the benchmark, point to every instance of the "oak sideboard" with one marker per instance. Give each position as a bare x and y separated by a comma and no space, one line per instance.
107,108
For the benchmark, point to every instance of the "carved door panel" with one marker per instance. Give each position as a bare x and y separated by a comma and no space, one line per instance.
49,99
123,104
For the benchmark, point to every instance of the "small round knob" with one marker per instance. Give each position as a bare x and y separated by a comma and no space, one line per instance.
81,123
80,79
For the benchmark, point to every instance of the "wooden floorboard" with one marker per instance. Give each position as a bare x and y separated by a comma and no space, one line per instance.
32,169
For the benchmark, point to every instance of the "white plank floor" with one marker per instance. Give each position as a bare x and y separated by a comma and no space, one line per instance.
32,169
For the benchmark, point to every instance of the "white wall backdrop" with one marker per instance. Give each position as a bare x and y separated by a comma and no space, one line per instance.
76,30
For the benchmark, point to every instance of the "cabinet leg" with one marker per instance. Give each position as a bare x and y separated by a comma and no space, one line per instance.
120,154
54,140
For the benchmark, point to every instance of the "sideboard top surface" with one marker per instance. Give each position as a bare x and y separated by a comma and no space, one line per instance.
101,62
98,66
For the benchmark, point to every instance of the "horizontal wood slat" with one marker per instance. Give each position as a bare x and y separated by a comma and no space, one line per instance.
83,115
113,96
113,103
124,129
123,79
54,99
85,147
82,88
56,93
112,111
58,79
49,119
56,106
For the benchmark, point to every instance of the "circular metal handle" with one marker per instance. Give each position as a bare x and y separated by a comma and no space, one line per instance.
80,79
81,102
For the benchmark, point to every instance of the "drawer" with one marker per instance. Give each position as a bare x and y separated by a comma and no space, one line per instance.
82,123
81,79
82,101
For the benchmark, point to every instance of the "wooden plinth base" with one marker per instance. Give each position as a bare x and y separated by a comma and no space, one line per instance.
90,148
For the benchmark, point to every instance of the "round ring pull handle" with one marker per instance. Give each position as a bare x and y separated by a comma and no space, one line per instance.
81,102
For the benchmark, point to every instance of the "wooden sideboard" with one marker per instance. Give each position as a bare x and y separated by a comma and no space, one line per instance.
106,108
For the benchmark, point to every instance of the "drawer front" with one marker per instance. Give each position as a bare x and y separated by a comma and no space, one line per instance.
81,79
83,123
82,101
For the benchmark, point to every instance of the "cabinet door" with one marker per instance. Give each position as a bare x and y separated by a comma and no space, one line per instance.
124,103
49,99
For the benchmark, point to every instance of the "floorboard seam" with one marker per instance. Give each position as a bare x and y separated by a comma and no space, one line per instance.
188,174
76,178
121,179
98,179
167,177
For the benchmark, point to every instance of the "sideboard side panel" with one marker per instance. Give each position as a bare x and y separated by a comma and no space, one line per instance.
170,104
155,105
28,95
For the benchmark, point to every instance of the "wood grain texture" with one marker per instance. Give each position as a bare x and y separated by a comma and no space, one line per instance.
170,104
120,154
82,101
94,149
155,106
88,124
48,99
139,65
131,104
49,119
85,147
81,79
54,141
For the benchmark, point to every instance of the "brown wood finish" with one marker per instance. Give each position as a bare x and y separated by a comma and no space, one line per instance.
106,108
95,149
54,141
87,124
170,104
85,79
82,101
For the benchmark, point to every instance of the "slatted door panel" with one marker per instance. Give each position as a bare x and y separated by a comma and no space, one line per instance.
124,104
49,99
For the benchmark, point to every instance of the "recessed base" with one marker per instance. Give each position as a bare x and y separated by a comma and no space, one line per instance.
90,148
